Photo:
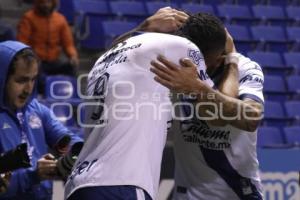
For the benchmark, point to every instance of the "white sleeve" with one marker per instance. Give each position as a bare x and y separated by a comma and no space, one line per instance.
179,47
251,82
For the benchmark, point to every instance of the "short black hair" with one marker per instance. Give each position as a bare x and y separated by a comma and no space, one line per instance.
206,31
27,55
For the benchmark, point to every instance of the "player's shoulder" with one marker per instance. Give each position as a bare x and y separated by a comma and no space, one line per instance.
246,66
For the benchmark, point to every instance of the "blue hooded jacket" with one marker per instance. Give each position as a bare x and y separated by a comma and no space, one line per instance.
40,128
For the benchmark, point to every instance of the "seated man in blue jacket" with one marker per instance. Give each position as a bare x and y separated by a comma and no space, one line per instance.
24,120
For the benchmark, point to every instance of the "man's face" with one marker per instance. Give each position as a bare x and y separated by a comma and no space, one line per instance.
20,84
213,61
45,7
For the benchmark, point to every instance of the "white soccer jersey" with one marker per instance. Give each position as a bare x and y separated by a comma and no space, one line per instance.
126,147
217,163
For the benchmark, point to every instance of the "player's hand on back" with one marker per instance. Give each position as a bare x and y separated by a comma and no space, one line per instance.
165,20
177,78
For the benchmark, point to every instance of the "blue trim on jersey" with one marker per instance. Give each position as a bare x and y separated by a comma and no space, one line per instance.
107,193
242,186
251,96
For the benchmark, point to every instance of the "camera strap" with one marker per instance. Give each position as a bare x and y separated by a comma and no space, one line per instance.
24,138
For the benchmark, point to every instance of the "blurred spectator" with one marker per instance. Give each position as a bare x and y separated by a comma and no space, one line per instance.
48,32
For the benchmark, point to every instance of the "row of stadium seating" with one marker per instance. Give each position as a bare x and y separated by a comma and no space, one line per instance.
259,37
273,137
95,20
141,9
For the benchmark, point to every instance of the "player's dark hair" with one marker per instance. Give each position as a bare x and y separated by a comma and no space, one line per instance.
206,31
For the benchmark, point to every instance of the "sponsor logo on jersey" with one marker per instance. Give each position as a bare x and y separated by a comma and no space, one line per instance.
252,77
195,55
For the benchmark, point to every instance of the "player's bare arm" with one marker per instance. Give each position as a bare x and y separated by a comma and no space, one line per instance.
245,114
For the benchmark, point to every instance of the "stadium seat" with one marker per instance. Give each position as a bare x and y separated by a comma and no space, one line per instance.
239,13
64,113
274,88
246,2
152,7
269,137
293,35
132,10
270,37
196,7
282,3
67,9
242,37
292,135
293,109
293,84
293,59
61,88
88,15
91,7
112,29
271,62
293,13
273,110
269,13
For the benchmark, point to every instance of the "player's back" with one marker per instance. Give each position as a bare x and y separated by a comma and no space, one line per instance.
131,114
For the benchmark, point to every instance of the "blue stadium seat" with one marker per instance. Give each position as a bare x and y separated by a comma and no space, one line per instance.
282,3
239,32
273,110
271,62
274,88
293,59
246,2
270,37
152,7
67,9
269,137
112,29
239,13
293,13
132,10
61,88
196,7
92,7
242,37
88,15
269,13
64,113
292,135
293,34
293,84
215,2
293,109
